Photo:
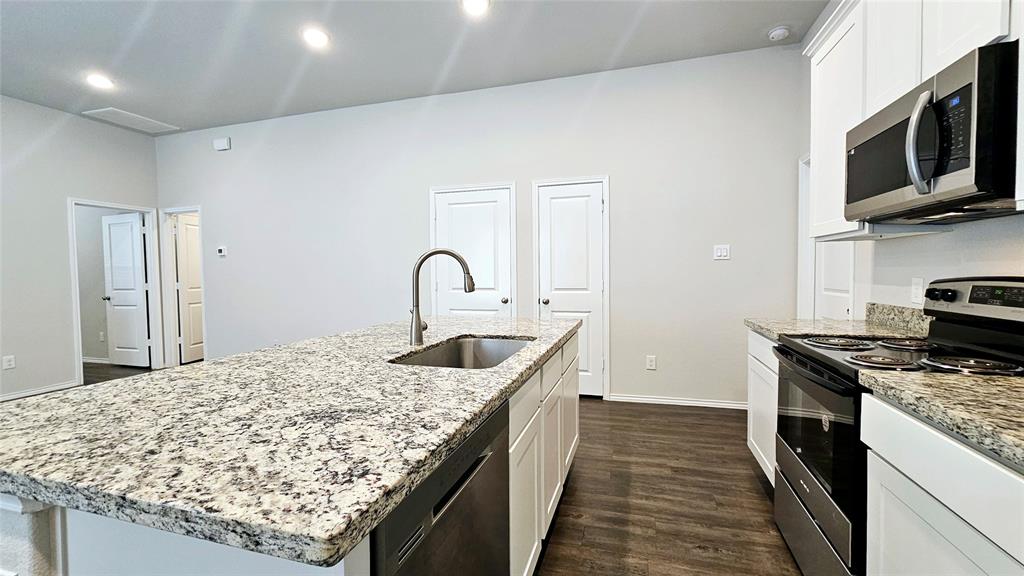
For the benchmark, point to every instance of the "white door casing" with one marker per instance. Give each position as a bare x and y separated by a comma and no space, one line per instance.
571,268
188,252
124,275
478,223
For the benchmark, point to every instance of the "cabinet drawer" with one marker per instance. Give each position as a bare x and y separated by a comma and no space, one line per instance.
570,351
761,348
550,373
522,406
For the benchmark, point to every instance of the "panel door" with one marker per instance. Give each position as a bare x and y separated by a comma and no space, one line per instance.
892,51
952,28
551,461
476,223
190,287
762,414
570,416
570,269
124,279
837,98
526,506
833,282
911,533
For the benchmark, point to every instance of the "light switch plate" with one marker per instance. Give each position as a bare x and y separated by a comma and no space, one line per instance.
722,252
917,290
8,362
652,363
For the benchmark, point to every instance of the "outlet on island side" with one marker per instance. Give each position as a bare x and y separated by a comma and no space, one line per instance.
652,363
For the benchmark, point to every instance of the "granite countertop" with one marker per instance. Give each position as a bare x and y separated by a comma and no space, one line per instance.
983,410
295,451
882,321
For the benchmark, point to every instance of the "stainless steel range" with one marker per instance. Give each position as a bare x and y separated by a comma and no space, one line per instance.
821,465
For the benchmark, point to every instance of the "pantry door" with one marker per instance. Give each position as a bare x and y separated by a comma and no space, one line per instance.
188,253
124,276
833,282
479,224
571,246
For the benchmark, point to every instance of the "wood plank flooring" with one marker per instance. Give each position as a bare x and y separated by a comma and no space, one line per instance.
93,372
663,490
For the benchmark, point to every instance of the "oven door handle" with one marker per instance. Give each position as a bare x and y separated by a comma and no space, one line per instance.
787,360
910,147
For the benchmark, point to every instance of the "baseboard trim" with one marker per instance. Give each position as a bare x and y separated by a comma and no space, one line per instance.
727,404
96,360
35,391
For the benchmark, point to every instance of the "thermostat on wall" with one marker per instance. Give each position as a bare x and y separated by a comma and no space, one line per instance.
221,144
222,251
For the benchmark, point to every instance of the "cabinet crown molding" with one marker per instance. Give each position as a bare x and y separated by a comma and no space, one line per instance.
831,23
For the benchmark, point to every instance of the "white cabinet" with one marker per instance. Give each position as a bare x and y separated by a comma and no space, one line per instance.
952,28
910,532
525,498
762,402
892,51
570,415
837,104
551,460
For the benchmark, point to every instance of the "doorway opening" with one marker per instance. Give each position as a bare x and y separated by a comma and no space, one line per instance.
115,301
185,335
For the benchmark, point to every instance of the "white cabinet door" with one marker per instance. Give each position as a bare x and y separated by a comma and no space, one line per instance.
837,98
551,459
892,51
910,532
952,28
570,416
762,414
525,504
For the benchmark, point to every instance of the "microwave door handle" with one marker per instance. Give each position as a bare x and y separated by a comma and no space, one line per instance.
913,164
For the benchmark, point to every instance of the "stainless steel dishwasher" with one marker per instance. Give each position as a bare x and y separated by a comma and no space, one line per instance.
455,521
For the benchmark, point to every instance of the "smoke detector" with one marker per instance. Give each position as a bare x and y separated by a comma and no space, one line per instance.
778,33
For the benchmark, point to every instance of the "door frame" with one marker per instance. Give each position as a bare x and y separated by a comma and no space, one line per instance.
432,216
605,273
169,277
154,308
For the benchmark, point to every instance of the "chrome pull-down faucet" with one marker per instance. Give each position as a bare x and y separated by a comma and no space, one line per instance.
416,329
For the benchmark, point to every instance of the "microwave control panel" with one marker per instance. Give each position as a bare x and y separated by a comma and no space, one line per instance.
953,114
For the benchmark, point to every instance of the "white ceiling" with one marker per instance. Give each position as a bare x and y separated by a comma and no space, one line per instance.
211,63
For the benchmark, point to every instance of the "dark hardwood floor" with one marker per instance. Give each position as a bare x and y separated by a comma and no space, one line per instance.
94,372
663,490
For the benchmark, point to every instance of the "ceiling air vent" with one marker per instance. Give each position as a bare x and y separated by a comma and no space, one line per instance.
130,121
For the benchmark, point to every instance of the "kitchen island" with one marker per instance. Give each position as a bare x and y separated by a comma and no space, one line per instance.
294,451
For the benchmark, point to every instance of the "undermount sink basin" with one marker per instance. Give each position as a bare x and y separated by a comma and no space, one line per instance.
467,352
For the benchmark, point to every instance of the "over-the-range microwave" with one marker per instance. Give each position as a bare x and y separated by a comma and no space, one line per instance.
944,152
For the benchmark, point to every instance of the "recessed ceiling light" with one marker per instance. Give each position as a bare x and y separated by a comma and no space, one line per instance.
476,8
97,80
778,33
316,38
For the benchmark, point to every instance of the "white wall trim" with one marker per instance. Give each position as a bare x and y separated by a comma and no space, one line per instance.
169,274
43,390
92,360
605,248
153,276
671,400
513,279
831,23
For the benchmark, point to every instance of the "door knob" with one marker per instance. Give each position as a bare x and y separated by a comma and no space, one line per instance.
105,298
545,301
504,300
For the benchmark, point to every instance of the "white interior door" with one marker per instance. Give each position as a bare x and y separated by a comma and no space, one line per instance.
833,282
476,223
124,276
571,268
189,266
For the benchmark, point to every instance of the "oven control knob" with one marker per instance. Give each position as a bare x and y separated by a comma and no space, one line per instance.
933,294
948,295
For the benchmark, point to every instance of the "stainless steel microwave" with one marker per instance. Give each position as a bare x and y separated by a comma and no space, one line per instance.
944,152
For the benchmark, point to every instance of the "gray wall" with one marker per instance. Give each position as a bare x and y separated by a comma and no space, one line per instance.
49,156
91,288
323,214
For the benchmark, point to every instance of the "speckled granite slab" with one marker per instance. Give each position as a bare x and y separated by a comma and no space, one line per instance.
912,320
296,451
883,321
987,411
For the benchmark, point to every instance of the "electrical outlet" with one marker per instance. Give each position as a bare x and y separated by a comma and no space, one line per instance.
721,252
103,336
917,290
8,362
652,362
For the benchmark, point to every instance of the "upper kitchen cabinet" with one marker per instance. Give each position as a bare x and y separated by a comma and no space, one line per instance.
952,28
837,104
892,51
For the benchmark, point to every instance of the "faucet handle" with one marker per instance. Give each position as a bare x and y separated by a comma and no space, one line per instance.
423,325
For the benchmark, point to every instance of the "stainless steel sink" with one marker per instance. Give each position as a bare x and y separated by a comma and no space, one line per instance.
467,352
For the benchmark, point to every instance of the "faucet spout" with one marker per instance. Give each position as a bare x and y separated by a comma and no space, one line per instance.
416,329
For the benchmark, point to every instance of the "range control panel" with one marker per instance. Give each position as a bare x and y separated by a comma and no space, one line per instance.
993,297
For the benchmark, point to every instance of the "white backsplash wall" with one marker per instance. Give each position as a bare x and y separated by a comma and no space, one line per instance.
983,248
